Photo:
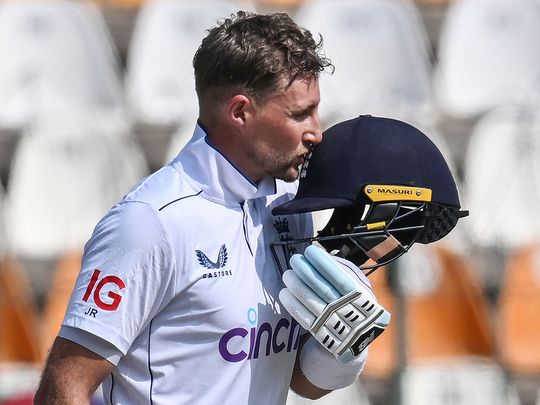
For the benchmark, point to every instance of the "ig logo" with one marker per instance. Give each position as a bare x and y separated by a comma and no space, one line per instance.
115,298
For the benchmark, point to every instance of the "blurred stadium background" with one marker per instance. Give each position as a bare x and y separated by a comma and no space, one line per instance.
96,94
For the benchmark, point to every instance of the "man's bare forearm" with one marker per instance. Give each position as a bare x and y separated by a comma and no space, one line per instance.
71,375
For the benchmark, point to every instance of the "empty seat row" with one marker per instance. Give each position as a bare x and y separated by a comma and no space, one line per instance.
384,66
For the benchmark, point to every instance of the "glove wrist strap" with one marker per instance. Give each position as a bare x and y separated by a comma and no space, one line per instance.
323,370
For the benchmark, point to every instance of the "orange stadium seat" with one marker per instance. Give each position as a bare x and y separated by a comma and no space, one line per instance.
448,322
381,363
444,347
19,338
452,320
519,312
121,4
58,296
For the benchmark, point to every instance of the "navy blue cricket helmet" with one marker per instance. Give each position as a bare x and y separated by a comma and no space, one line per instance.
389,186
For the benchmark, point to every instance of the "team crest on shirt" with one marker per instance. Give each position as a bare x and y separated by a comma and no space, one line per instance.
282,227
216,265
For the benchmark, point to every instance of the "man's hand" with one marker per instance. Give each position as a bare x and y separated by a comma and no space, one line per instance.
334,301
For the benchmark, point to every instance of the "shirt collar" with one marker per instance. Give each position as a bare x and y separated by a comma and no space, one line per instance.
210,171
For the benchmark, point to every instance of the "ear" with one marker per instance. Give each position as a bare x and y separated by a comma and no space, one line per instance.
240,109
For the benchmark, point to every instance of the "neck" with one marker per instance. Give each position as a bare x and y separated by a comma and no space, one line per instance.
229,143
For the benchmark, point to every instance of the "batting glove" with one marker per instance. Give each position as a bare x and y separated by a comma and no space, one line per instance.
334,302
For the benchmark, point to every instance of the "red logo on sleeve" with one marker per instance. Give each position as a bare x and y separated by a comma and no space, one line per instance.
112,305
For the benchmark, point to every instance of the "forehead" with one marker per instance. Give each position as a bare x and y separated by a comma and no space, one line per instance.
302,91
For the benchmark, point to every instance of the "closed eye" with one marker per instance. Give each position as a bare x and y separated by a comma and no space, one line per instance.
302,115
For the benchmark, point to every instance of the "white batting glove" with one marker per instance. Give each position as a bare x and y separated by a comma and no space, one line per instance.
334,302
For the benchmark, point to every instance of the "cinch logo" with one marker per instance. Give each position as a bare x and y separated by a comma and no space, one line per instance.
115,298
240,344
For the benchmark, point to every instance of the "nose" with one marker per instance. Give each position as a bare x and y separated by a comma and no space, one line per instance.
313,134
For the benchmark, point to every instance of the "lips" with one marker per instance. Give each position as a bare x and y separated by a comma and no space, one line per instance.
302,157
299,160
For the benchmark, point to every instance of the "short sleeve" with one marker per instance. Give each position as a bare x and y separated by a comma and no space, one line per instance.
127,276
93,343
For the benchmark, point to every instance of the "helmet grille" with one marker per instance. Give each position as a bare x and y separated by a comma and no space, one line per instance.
440,220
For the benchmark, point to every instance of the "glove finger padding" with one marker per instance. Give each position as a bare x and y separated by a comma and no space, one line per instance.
314,279
303,294
297,310
331,301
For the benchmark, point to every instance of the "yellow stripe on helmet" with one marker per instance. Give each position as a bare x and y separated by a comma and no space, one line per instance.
381,192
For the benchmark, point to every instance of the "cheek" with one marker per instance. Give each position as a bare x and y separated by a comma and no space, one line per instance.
288,137
282,134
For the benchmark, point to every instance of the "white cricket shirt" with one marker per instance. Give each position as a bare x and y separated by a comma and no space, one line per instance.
179,289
